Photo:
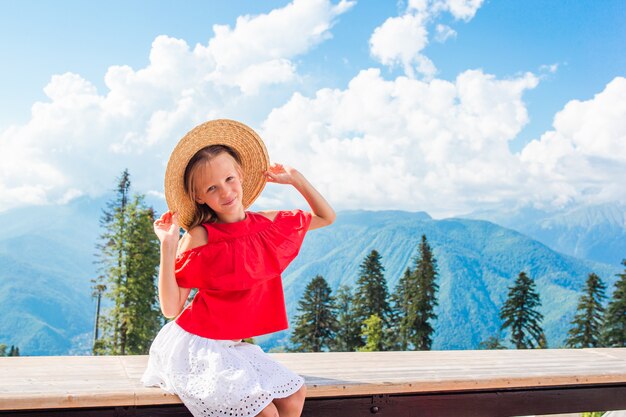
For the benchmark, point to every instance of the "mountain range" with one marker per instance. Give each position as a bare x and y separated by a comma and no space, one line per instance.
47,259
595,232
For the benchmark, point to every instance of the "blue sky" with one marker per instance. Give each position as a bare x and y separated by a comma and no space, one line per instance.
572,50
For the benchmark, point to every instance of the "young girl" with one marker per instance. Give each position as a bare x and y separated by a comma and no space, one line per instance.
235,258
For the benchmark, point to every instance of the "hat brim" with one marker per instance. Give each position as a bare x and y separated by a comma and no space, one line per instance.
236,135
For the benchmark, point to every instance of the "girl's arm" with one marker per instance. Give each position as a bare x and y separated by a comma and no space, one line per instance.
323,213
171,297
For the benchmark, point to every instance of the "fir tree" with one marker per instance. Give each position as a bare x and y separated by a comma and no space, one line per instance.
372,333
520,313
13,351
316,323
425,298
371,295
391,336
414,301
128,257
143,314
614,332
403,310
587,323
348,335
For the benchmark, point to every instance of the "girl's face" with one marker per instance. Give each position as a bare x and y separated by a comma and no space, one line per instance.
218,185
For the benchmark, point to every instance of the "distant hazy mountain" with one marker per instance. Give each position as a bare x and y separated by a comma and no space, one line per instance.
46,262
47,254
589,232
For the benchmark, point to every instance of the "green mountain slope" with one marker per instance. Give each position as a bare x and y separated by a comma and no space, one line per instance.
478,261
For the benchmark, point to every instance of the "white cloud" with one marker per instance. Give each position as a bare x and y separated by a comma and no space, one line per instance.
460,9
406,144
443,146
443,33
402,143
253,52
552,68
583,159
81,140
401,40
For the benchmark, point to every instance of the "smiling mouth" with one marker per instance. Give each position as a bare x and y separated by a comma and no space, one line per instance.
228,203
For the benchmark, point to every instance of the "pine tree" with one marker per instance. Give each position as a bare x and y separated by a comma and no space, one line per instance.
421,329
403,310
348,335
372,333
414,301
520,313
143,314
316,323
371,296
14,351
128,257
614,332
587,323
111,259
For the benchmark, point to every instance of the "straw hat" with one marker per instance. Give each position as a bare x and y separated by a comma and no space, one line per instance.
243,140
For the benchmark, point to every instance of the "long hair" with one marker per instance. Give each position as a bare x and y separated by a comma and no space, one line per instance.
203,213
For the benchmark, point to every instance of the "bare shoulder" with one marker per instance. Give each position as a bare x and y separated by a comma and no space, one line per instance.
270,214
195,237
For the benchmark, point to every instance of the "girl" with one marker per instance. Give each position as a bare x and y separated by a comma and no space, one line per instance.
235,258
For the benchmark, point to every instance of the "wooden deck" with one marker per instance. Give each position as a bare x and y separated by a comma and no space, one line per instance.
446,383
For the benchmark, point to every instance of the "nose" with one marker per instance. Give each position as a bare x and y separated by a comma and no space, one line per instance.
226,190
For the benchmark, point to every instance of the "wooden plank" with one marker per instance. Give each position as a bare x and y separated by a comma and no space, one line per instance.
439,404
177,410
82,381
498,403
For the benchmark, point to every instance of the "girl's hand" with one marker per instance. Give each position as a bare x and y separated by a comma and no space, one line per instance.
323,213
167,228
281,174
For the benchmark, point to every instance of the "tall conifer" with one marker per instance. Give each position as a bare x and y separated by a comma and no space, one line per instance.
128,257
348,336
421,334
371,296
14,351
587,323
403,309
143,315
520,313
316,324
614,334
414,301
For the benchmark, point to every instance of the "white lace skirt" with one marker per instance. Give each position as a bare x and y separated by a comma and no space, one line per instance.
217,378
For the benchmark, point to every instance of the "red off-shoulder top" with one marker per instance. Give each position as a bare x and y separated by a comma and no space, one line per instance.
238,275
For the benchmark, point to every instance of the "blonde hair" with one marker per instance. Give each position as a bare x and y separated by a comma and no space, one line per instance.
203,213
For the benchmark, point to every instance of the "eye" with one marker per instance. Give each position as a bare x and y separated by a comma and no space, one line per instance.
211,188
230,178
